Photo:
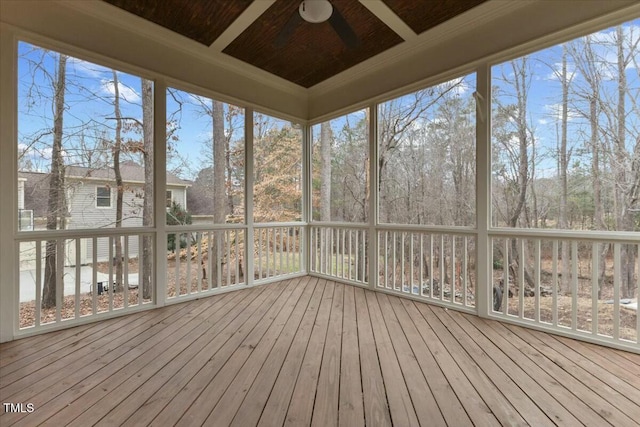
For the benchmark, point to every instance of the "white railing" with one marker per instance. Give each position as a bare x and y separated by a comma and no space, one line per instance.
81,274
429,265
581,285
340,252
278,250
205,261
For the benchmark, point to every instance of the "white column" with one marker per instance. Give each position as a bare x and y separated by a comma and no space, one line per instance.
306,196
160,187
248,195
373,195
9,276
483,191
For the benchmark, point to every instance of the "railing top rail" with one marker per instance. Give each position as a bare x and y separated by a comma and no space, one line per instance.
338,224
596,236
428,228
27,236
279,224
170,229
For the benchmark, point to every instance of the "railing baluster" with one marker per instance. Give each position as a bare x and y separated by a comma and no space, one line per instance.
617,276
453,269
554,284
125,276
521,281
210,260
431,272
442,267
177,262
237,242
465,271
420,282
505,277
39,282
537,279
595,267
78,275
342,240
59,277
227,237
403,280
111,280
413,291
219,249
94,267
574,285
199,260
394,269
350,254
281,248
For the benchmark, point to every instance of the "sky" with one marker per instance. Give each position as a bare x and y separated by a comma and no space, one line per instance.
90,93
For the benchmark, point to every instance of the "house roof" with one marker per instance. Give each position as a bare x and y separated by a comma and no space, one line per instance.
130,171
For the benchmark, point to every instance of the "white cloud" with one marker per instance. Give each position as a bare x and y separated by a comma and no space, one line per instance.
555,112
543,121
87,69
556,72
126,93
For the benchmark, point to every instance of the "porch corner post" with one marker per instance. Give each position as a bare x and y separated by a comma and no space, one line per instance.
248,198
373,196
305,262
9,262
159,188
483,191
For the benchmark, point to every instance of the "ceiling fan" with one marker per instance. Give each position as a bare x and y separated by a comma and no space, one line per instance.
315,12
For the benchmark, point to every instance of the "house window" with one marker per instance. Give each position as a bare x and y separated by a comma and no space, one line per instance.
103,197
169,198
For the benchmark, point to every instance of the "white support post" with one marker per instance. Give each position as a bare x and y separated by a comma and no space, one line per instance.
373,195
248,196
484,284
307,139
159,189
8,193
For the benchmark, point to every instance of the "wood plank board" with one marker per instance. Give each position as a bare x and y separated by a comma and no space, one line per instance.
350,409
291,341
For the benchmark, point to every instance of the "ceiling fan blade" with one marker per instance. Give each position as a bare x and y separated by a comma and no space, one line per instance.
288,29
343,29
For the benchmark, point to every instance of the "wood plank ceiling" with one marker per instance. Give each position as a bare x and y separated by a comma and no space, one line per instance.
313,52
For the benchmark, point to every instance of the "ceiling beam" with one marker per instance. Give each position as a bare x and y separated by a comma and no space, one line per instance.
388,16
247,17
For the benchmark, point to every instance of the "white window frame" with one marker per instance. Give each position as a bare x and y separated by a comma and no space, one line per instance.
102,198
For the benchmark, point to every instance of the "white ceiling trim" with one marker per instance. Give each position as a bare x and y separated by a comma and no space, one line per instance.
388,16
247,18
127,21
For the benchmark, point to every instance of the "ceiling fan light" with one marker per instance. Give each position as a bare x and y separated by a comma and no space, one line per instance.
315,11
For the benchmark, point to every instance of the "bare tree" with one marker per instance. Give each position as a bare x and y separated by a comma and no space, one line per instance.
56,185
147,208
116,149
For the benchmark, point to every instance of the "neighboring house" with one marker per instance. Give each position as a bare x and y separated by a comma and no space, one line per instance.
91,202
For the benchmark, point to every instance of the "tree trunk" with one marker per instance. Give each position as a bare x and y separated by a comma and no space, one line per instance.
119,184
56,186
219,208
148,207
325,172
563,165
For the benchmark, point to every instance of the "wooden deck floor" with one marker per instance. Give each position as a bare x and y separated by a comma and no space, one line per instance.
312,352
